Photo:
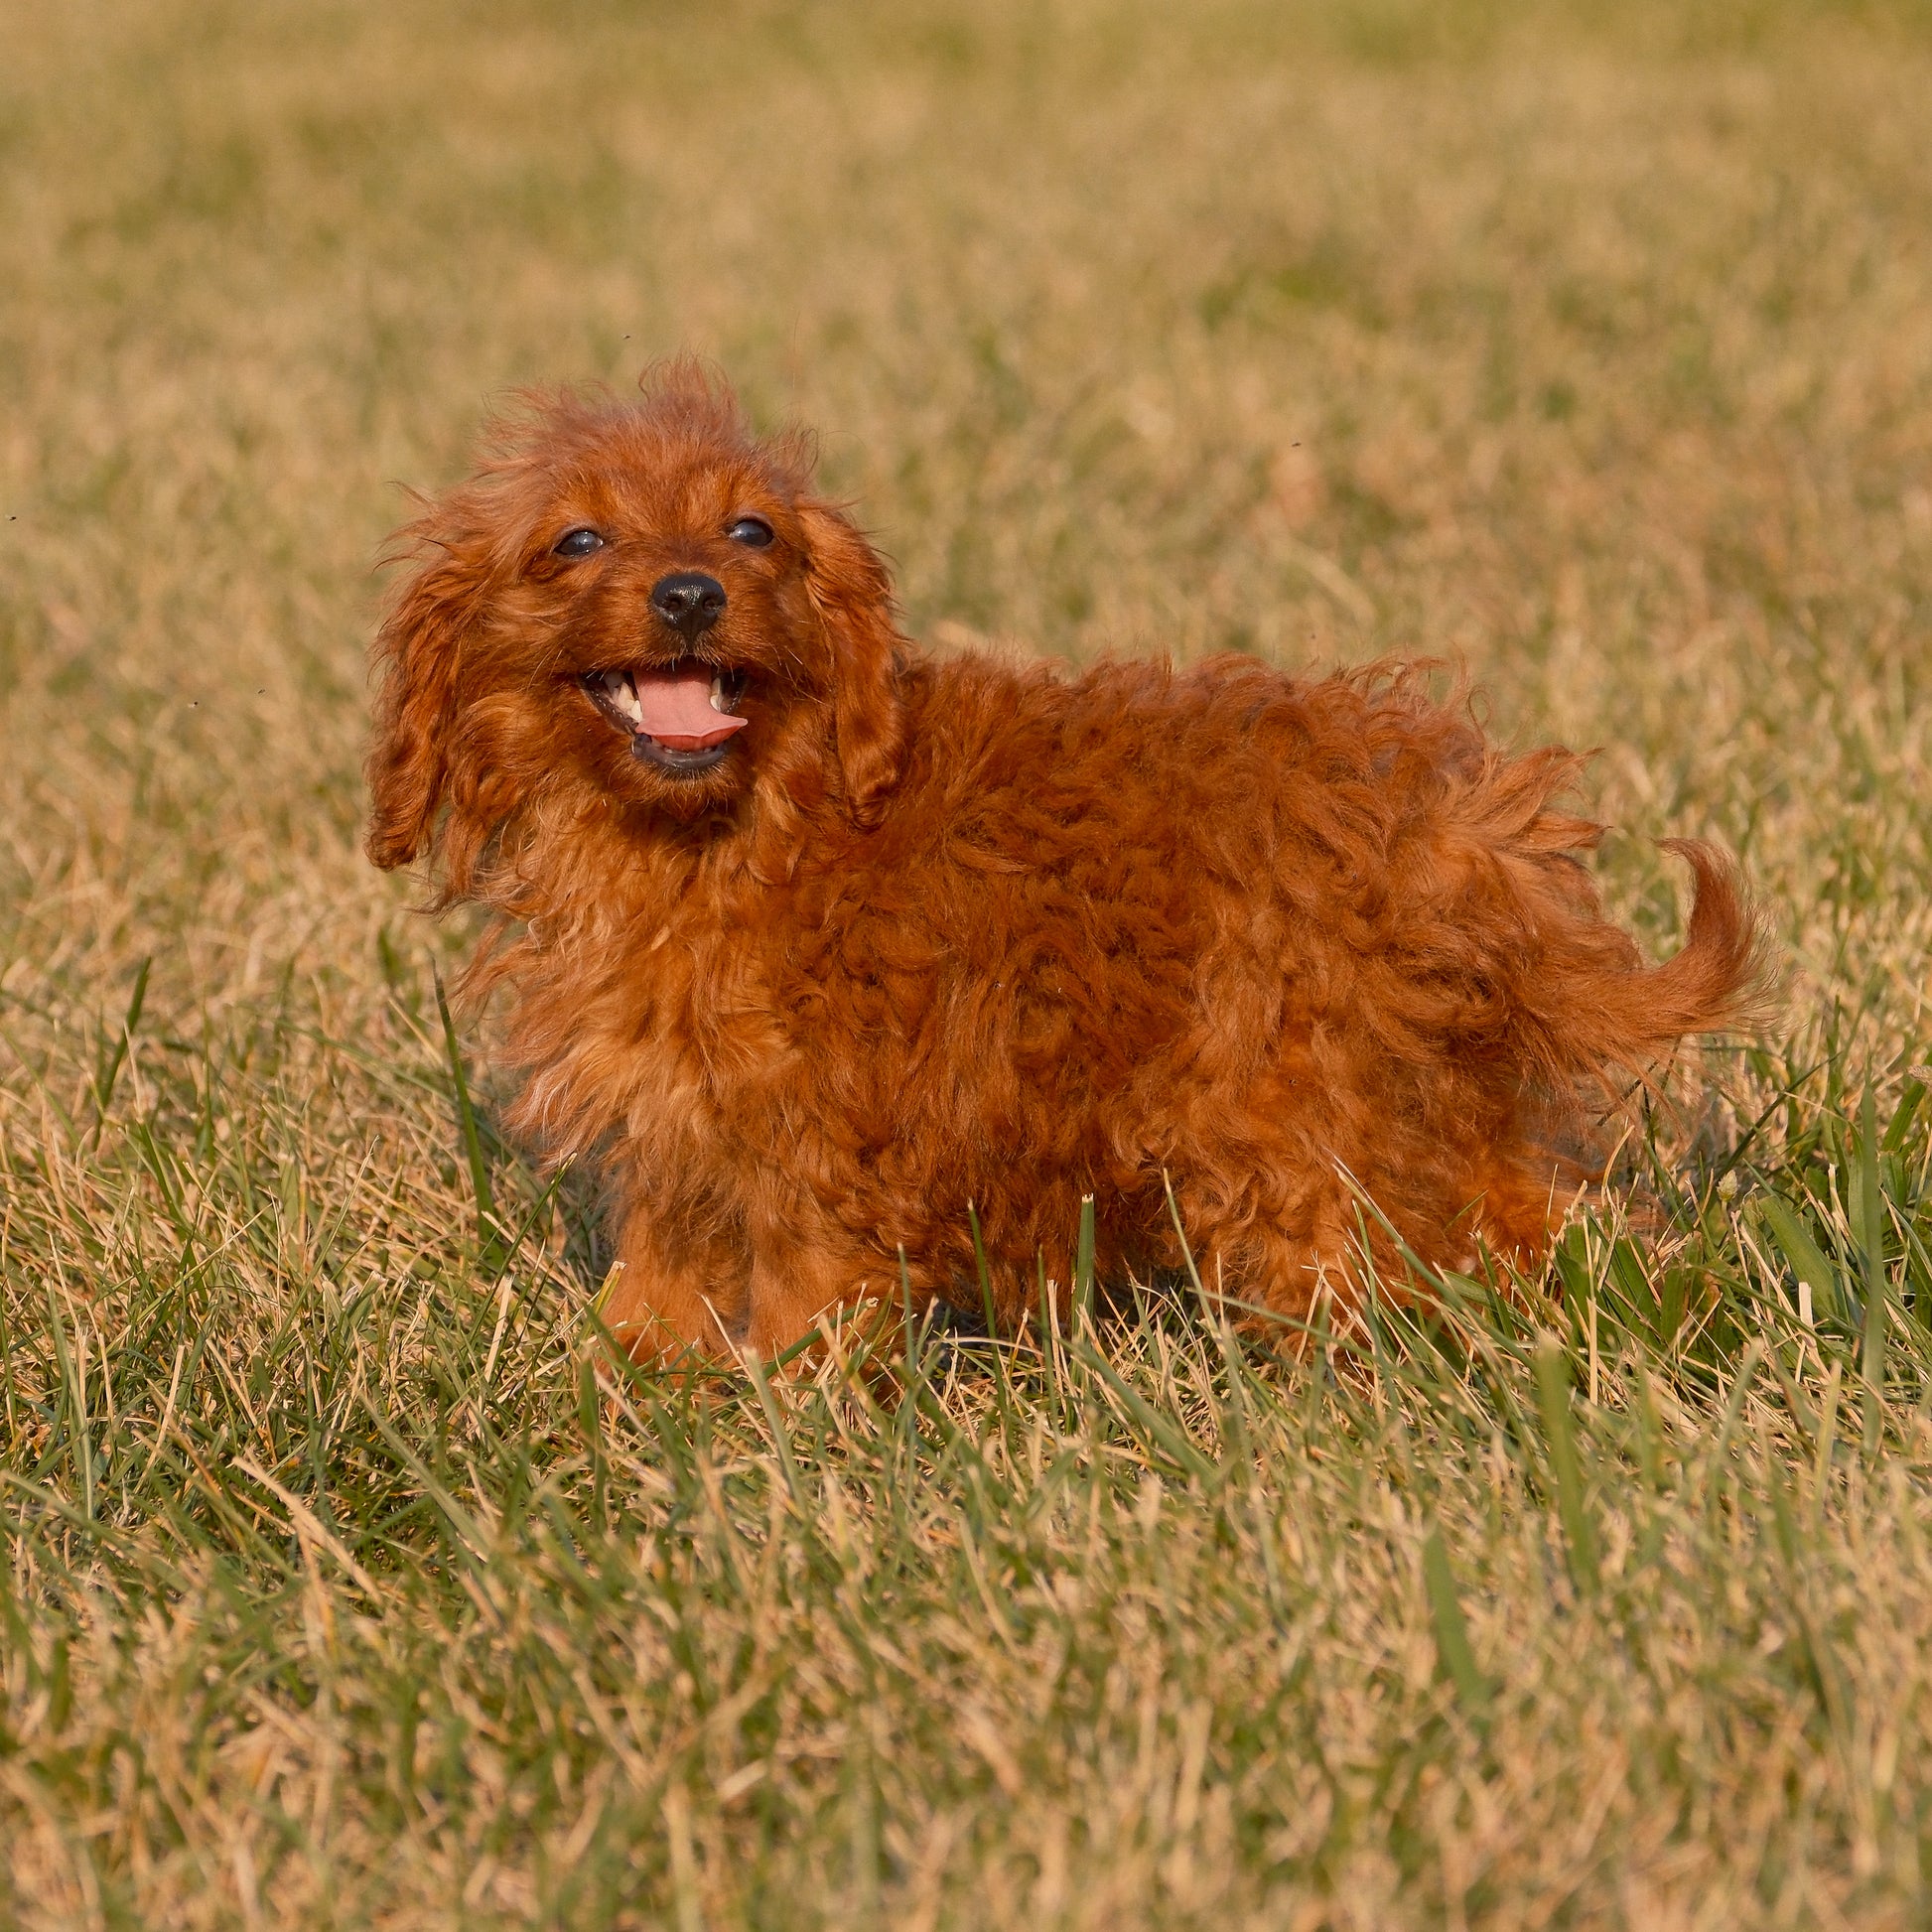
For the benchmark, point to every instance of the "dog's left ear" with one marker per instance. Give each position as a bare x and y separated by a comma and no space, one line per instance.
852,595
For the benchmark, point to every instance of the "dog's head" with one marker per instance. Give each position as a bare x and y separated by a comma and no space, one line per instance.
640,603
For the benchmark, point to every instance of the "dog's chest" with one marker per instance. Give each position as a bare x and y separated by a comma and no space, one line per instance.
710,1026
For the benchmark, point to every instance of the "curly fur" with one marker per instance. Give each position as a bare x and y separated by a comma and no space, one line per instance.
945,930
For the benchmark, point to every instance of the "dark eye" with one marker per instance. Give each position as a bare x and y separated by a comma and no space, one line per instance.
579,543
751,531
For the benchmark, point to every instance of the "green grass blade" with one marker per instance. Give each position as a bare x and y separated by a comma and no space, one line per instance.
1805,1258
1908,1106
465,1114
110,1069
1084,1265
983,1272
1870,1235
73,1399
1559,1430
1453,1648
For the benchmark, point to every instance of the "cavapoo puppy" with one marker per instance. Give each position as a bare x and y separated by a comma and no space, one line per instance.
814,939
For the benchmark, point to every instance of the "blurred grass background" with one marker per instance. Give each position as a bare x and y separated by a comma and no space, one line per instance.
1590,344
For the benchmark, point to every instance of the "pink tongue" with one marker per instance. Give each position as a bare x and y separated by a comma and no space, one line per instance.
676,708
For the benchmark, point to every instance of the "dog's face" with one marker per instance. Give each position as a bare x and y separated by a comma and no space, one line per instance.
641,604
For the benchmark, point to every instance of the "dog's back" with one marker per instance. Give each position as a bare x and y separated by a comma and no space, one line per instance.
1279,939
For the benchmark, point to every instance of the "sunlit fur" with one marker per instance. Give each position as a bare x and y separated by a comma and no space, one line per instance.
948,929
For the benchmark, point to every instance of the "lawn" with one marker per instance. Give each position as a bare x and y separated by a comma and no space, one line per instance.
347,1581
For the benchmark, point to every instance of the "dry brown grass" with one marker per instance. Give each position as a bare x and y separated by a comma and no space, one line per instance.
1595,351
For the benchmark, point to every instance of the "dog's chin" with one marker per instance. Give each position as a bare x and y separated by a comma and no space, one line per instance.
682,785
676,764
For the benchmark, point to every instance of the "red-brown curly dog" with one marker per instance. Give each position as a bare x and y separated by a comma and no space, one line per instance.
815,938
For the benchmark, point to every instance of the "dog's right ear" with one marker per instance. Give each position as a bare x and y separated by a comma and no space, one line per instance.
418,650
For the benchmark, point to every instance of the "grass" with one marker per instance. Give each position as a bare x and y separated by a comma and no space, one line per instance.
349,1582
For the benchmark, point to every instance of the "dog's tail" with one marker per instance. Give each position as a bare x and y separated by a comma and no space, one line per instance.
1604,1022
1721,977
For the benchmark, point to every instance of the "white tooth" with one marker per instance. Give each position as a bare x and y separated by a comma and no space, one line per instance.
623,694
718,692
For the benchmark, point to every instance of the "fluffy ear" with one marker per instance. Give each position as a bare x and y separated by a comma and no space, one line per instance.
852,595
417,651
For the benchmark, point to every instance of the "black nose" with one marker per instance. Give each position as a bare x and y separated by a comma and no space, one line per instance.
689,602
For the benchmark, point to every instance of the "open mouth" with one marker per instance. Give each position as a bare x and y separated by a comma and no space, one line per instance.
677,717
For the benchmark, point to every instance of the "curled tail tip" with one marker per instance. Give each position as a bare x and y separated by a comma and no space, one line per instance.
1725,976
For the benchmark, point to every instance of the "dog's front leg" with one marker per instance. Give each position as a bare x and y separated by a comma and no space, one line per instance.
678,1291
804,1265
